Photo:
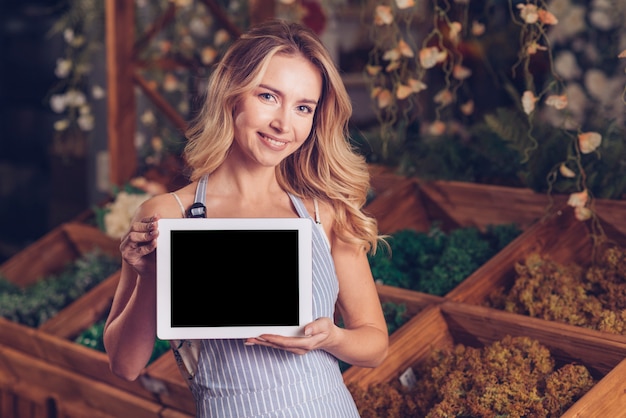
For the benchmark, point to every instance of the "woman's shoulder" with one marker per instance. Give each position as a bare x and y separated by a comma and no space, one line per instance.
167,205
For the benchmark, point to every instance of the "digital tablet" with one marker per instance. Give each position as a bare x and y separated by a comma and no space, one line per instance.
233,278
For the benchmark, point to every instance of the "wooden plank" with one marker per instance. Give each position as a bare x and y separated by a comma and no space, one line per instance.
606,399
67,386
121,103
26,401
414,301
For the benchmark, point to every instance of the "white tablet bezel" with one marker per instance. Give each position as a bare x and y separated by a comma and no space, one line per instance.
166,331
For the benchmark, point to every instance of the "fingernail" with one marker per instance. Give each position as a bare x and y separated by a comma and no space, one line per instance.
248,343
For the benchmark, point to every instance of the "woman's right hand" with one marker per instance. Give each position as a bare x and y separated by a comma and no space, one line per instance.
138,245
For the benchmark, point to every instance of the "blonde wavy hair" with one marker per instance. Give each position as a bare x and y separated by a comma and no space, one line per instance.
326,166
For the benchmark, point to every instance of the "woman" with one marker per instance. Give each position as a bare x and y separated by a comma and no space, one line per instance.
271,141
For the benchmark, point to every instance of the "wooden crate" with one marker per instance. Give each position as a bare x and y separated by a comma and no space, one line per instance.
47,256
560,236
51,253
449,323
74,390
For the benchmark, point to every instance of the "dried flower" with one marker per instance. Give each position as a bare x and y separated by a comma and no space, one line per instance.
533,47
460,72
444,97
373,70
528,102
566,171
392,54
546,17
417,85
578,199
405,49
477,28
455,31
529,13
383,98
405,4
208,55
582,213
431,56
467,108
383,15
558,102
589,141
437,128
221,37
403,91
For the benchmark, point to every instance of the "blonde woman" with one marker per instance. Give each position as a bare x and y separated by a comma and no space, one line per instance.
271,141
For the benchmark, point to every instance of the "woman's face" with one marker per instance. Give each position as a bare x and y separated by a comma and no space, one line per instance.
275,119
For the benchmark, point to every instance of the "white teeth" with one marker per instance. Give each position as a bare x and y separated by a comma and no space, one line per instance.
274,142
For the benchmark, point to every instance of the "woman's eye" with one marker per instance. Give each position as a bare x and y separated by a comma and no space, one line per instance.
266,96
305,109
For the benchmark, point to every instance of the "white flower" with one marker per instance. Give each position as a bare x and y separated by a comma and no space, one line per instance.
148,118
63,68
97,92
61,125
120,212
75,98
198,27
68,35
58,103
86,122
529,13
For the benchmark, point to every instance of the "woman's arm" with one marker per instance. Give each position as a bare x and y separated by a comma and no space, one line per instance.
130,330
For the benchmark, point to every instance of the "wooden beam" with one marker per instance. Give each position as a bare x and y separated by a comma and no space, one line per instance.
121,121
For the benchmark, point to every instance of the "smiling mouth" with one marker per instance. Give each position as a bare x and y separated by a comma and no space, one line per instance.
273,141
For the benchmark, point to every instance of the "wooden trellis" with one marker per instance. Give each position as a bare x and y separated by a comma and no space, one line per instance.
122,50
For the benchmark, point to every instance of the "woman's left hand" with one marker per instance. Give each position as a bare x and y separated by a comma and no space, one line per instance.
317,335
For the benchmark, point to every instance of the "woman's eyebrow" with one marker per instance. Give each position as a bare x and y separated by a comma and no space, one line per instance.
280,93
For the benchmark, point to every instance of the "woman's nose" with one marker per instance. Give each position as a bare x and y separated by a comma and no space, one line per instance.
280,121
